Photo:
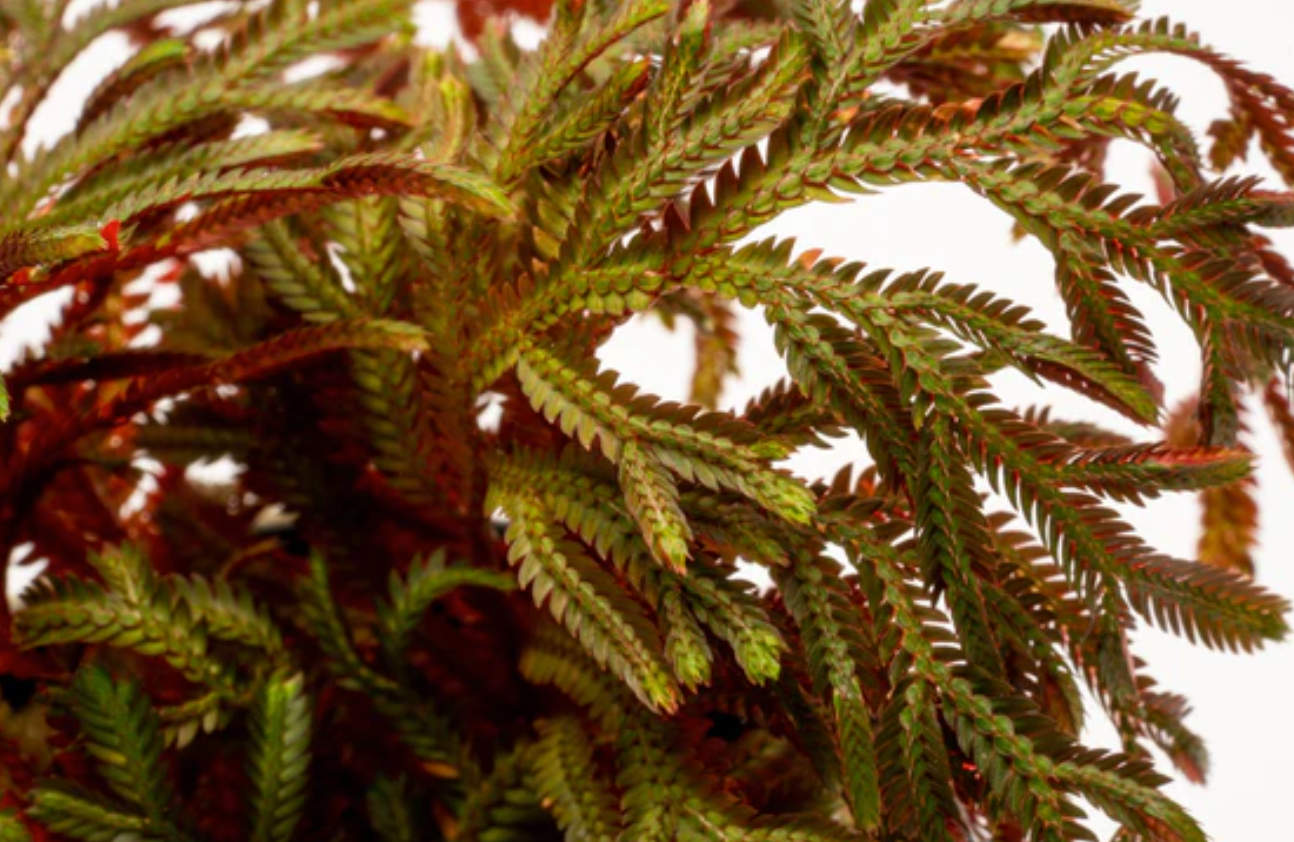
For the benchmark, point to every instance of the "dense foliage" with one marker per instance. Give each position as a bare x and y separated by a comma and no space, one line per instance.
467,584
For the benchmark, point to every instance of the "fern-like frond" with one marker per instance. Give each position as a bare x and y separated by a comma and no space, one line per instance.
1221,608
279,757
80,814
593,607
421,253
423,729
711,449
835,649
124,736
390,810
589,506
566,775
426,581
562,57
229,613
135,613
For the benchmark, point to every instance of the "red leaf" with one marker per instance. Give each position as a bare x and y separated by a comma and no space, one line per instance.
109,232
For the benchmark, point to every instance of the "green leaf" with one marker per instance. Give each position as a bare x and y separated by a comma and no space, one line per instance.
124,737
592,606
835,651
137,614
24,249
69,809
652,498
279,757
565,774
392,811
712,449
427,580
11,827
424,730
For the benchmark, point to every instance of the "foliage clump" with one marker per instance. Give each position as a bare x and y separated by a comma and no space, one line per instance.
399,621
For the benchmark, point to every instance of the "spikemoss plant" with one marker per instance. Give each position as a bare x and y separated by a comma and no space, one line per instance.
398,623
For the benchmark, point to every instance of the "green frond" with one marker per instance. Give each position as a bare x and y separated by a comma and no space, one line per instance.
581,494
301,101
596,115
913,764
589,506
843,372
1221,608
133,613
171,102
174,618
835,650
686,647
652,499
117,182
371,245
442,98
711,449
653,783
305,285
152,60
23,249
729,610
126,572
1136,807
560,60
426,581
1025,622
12,829
830,24
278,759
592,606
783,410
954,542
391,811
636,178
873,300
324,620
124,737
1133,472
552,657
79,814
503,805
285,32
357,175
181,723
51,49
566,775
676,89
423,729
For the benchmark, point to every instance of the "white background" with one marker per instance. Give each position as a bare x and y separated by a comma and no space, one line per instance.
1242,702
